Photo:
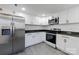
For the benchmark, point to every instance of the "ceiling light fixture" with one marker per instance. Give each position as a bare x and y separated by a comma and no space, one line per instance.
23,9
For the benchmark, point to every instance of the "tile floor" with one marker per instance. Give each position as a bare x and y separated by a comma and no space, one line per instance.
41,49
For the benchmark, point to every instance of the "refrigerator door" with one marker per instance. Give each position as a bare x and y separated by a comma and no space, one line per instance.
5,34
18,34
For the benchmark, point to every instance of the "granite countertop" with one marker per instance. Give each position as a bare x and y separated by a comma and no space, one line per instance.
70,33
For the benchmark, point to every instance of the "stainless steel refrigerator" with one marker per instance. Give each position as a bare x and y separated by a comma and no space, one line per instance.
12,34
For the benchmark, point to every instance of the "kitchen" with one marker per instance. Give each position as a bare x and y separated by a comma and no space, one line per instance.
50,29
65,31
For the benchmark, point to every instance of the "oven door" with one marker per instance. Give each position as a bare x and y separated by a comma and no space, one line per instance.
51,38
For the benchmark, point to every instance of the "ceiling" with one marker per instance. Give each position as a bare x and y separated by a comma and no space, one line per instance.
38,9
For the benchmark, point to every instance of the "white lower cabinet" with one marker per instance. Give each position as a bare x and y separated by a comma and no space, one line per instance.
34,38
72,45
68,44
60,42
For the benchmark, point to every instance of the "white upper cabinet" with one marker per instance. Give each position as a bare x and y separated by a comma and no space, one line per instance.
68,16
71,45
63,16
73,15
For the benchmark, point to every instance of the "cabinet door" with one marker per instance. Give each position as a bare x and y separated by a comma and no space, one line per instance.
73,15
60,42
63,17
37,37
68,44
72,45
34,38
27,39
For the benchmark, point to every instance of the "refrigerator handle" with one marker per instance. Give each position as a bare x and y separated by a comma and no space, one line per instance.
13,31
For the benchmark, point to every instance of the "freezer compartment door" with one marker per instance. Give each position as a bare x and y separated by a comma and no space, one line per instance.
18,34
19,40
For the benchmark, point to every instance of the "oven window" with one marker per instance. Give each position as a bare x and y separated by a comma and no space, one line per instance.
51,38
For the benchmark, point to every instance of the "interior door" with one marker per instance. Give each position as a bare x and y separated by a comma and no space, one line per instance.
18,34
5,34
